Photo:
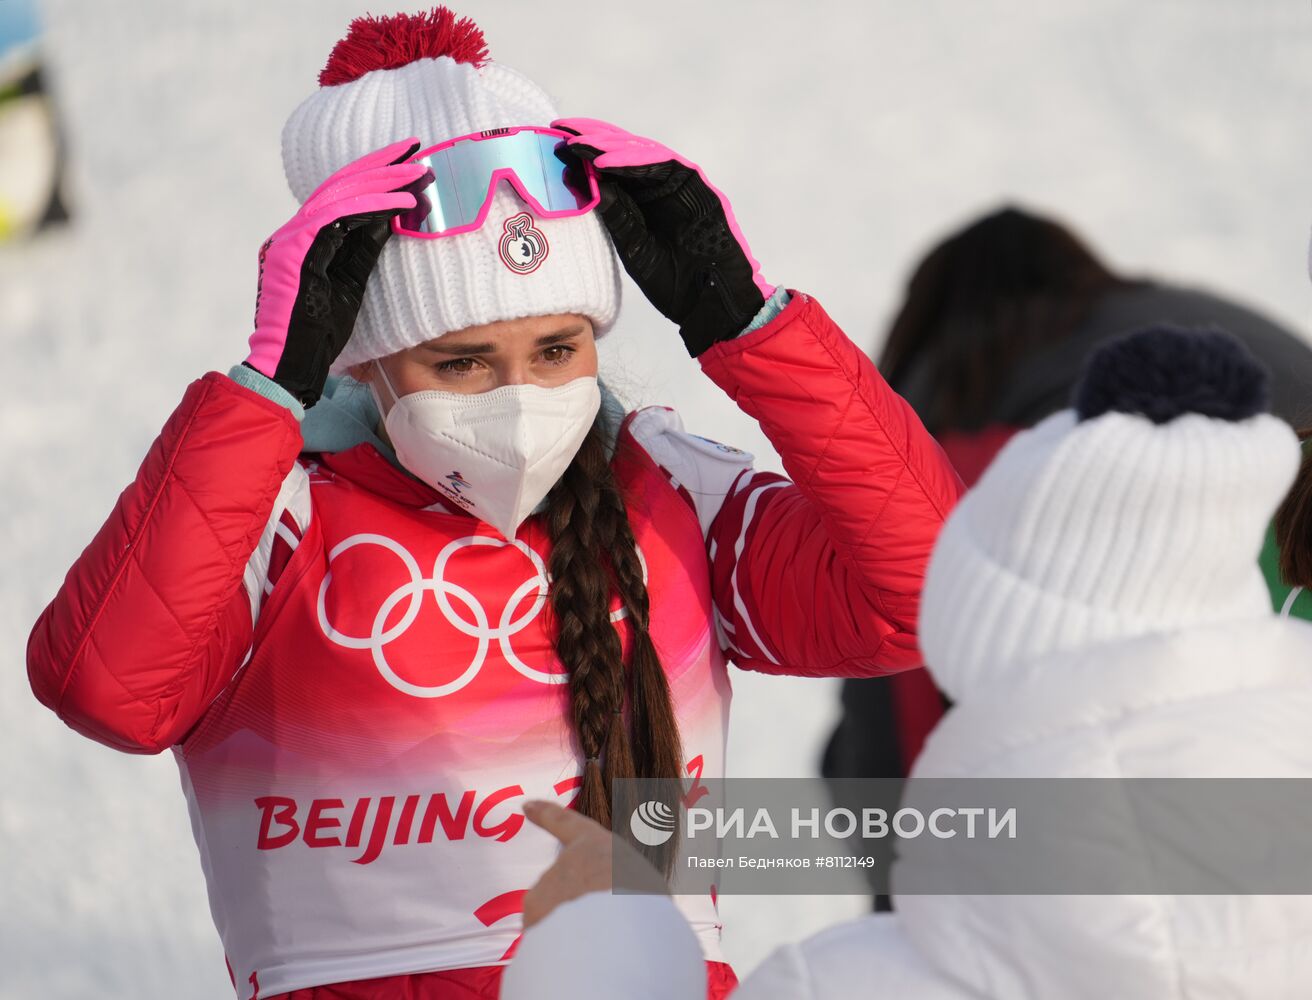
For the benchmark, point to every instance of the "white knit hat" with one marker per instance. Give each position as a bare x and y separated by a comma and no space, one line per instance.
1142,510
428,76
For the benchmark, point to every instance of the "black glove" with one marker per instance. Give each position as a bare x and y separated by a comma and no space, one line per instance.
674,233
314,269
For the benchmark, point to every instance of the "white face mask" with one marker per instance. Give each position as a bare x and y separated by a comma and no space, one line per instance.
495,454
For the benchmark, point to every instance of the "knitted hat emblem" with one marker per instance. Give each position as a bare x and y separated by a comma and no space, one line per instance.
523,246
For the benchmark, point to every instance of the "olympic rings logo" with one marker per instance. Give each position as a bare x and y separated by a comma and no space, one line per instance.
477,626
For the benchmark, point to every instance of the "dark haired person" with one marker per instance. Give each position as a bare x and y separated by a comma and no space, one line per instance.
1287,556
997,320
371,615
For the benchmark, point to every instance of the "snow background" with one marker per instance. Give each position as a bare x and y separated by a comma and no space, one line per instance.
1173,133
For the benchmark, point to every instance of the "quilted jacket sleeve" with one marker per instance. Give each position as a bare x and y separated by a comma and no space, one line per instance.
822,575
152,619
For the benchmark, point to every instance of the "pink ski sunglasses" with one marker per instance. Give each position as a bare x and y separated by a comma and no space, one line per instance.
455,195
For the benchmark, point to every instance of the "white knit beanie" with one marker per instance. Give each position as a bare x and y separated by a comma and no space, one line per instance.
1141,510
428,76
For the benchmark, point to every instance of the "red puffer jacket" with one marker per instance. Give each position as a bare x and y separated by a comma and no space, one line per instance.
820,576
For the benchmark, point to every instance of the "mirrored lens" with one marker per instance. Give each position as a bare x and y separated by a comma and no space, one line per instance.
462,174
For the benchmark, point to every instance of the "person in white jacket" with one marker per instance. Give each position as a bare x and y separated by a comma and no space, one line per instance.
1095,609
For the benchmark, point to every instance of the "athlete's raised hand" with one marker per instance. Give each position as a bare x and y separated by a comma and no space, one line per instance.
674,232
313,270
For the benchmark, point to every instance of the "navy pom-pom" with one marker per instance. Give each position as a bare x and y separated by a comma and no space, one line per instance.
1163,372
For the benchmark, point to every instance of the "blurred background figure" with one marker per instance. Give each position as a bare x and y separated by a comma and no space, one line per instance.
1087,607
990,338
31,144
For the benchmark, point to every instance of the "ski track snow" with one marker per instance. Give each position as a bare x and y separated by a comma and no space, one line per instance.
1173,134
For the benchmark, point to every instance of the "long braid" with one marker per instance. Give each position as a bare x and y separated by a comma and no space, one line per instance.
594,555
652,706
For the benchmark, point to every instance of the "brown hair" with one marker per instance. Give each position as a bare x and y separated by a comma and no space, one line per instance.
623,714
1294,525
990,294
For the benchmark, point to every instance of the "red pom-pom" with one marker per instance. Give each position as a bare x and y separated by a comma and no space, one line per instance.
388,42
